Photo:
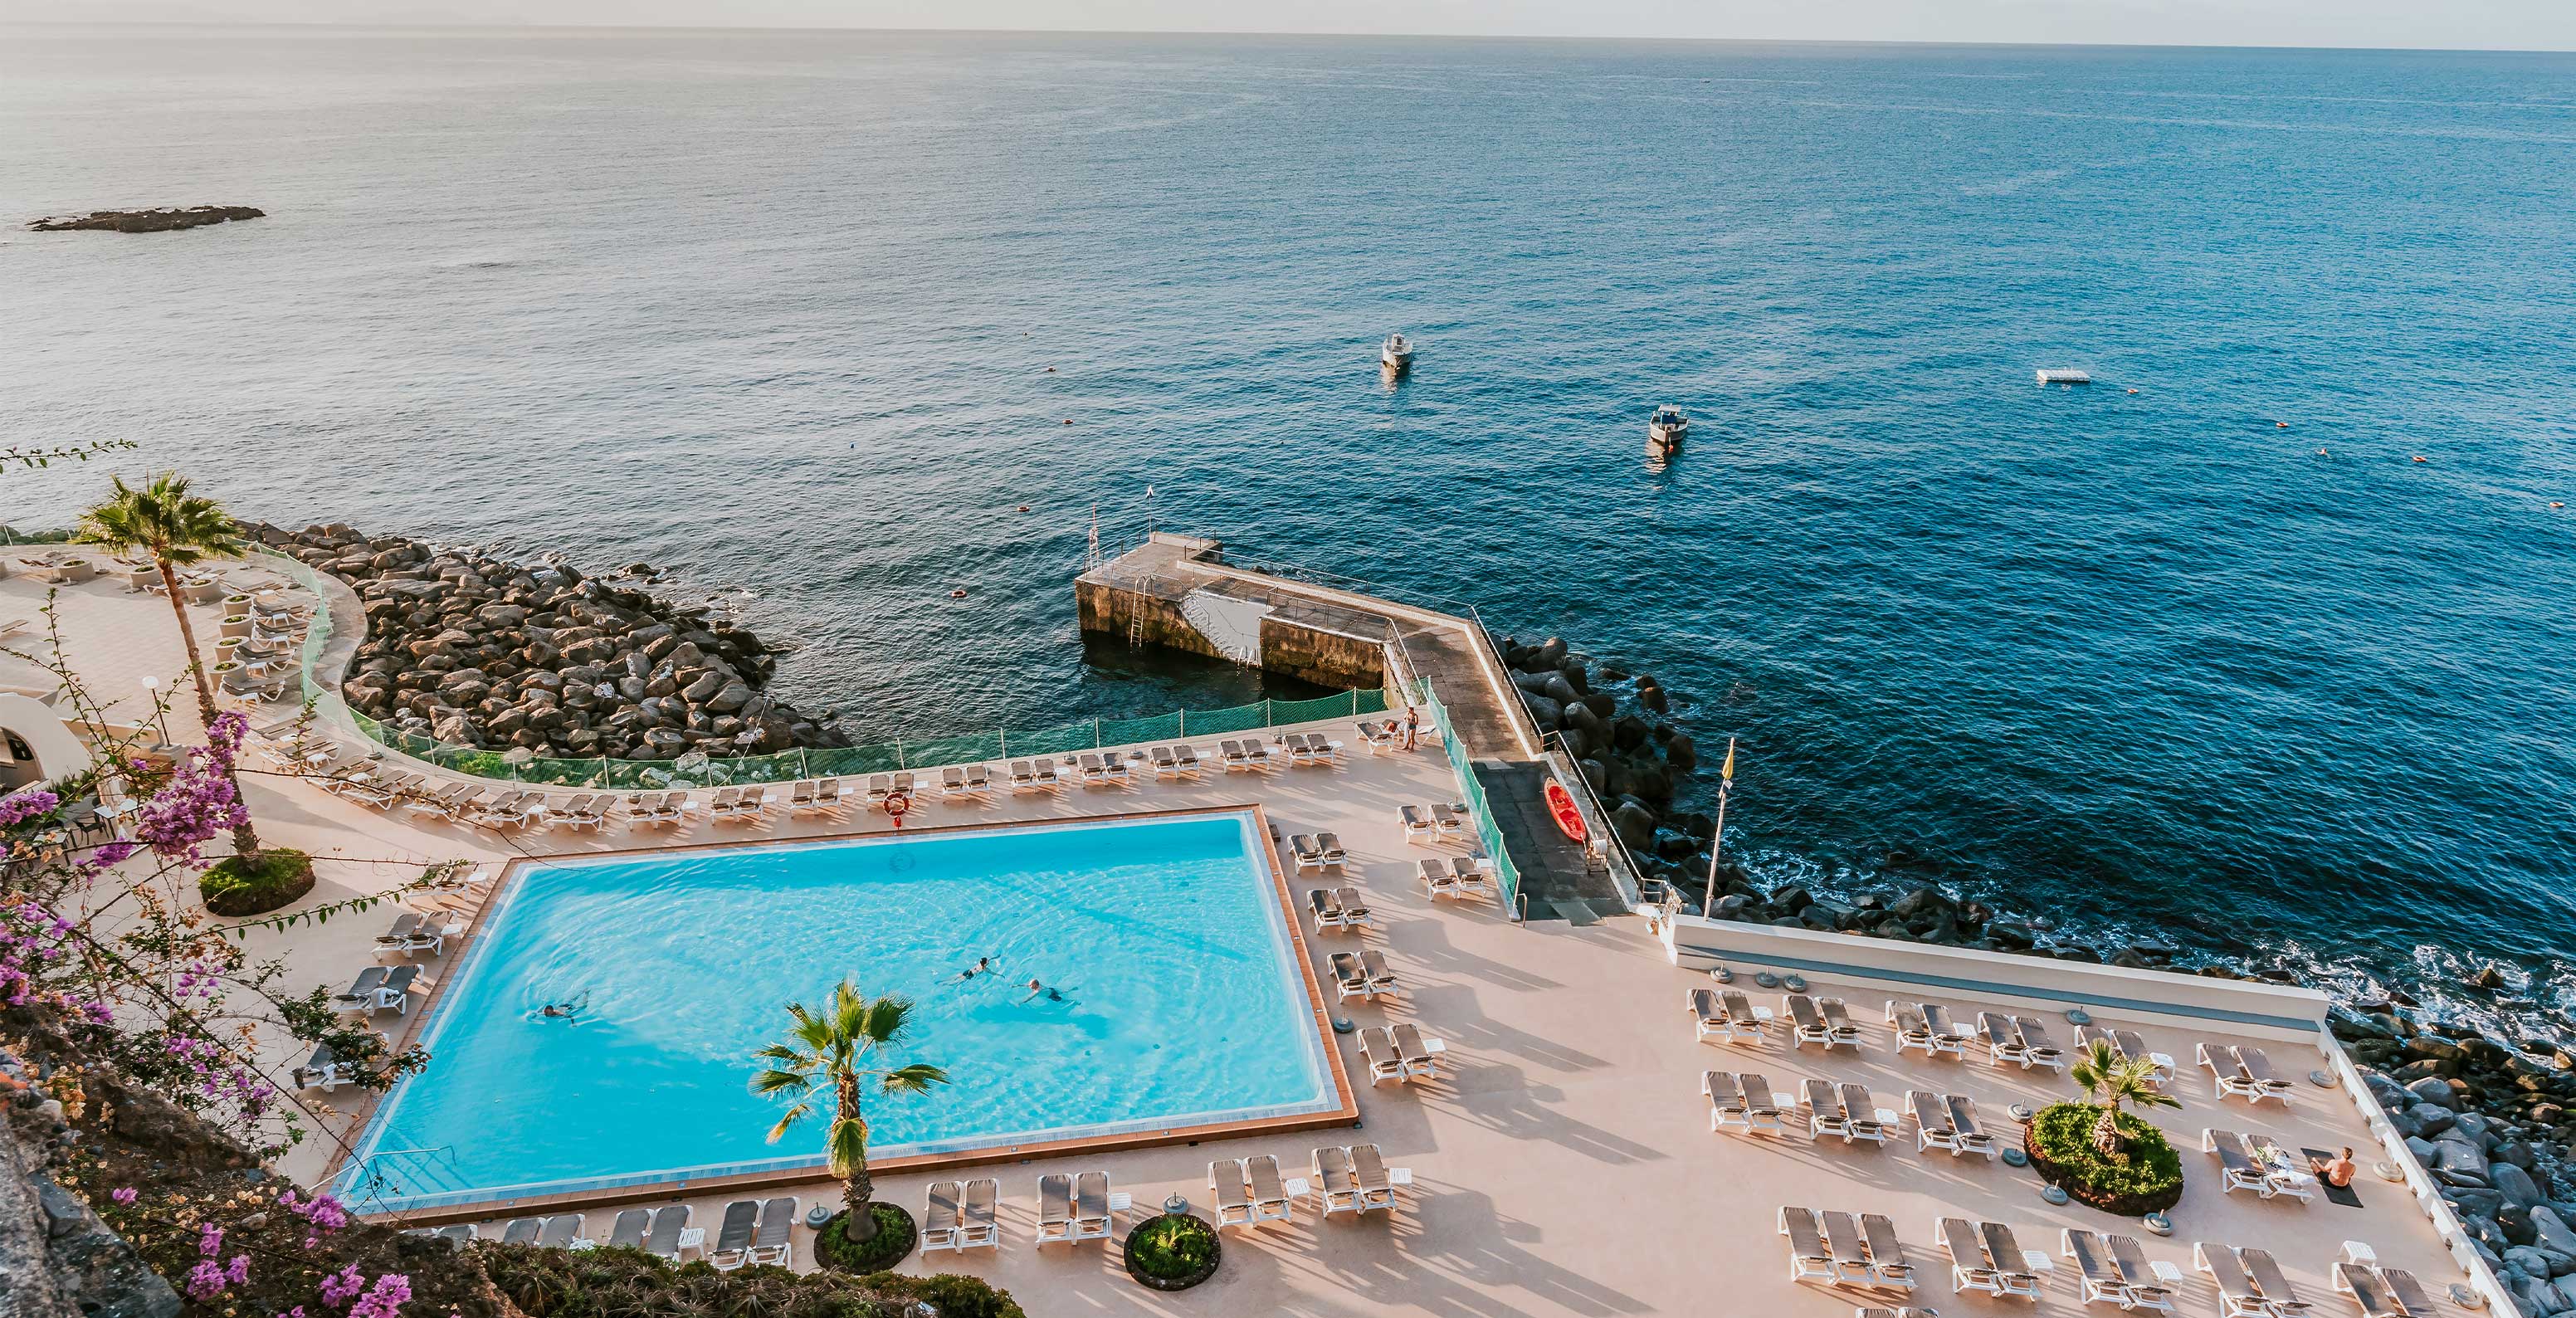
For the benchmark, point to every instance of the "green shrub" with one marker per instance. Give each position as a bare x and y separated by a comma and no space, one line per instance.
236,886
2146,1178
1172,1246
626,1283
892,1243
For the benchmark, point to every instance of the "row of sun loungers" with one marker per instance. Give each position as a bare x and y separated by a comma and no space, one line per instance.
1317,851
2243,1072
1985,1258
1338,908
1366,976
2249,1281
2256,1163
378,989
2382,1292
1840,1249
1401,1053
2127,1046
1456,877
1432,823
415,932
556,1232
2114,1270
655,1231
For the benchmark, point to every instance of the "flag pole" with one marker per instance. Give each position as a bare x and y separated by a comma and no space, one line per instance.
1725,780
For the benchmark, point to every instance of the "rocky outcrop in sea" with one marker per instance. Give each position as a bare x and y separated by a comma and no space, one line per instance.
152,220
473,650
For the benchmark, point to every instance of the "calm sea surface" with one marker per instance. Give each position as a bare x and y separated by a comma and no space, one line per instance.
805,315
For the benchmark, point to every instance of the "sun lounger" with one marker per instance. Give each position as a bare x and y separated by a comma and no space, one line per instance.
1825,1115
1838,1023
800,796
1437,881
363,994
2369,1294
2002,1045
1048,775
1350,980
1887,1265
395,993
2410,1293
1302,849
2237,1169
1740,1009
522,1230
976,1226
753,804
1380,738
1725,1101
1233,754
1328,911
324,1070
1333,1180
1231,1191
733,1237
1474,874
2223,1065
1843,1241
2237,1297
2146,1290
1958,1036
1969,1270
628,1231
2100,1282
1273,1199
1931,1123
1972,1137
1374,969
2012,1263
1860,1108
775,1243
1024,778
1113,768
2132,1046
1806,1024
560,1231
1710,1017
664,1237
2037,1049
1355,911
1762,1113
1257,753
1420,1055
938,1217
1164,763
1809,1259
1055,1208
404,926
1912,1031
724,803
1377,1048
2278,1294
1369,1174
1447,822
1329,845
1417,823
1188,755
2266,1081
880,786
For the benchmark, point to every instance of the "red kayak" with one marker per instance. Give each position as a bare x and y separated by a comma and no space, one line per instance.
1560,803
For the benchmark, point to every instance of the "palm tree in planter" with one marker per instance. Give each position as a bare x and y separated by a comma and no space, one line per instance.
177,529
837,1049
2111,1081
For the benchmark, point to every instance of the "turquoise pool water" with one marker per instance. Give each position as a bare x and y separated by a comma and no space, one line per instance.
1183,1004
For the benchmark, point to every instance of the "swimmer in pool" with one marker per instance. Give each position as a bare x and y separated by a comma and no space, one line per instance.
982,966
570,1011
1038,990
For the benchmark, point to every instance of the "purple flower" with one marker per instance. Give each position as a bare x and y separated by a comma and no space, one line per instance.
123,1194
343,1286
386,1301
237,1271
21,806
210,1240
205,1281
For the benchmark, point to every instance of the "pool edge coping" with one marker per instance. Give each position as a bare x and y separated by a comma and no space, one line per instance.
1347,1114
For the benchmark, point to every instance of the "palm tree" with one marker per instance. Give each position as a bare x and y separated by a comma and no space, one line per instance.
2112,1080
832,1049
177,529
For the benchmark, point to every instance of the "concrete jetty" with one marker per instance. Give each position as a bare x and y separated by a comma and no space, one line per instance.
1177,591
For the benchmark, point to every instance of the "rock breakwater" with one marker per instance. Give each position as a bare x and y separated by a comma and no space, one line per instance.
153,220
477,651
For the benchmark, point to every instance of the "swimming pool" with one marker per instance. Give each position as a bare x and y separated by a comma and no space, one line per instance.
1185,1004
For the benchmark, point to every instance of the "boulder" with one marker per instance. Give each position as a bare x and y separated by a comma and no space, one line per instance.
1681,752
1634,823
2515,1185
2434,1090
733,696
2552,1229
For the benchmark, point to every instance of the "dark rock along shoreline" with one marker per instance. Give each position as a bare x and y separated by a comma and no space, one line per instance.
159,219
476,651
2490,1120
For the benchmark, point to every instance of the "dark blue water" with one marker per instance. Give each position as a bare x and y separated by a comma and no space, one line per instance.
777,311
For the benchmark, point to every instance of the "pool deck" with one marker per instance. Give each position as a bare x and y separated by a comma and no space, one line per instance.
1562,1165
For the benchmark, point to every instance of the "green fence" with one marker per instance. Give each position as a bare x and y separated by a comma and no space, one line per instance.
1507,875
788,766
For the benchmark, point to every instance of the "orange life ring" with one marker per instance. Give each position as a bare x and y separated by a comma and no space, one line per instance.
1560,803
896,805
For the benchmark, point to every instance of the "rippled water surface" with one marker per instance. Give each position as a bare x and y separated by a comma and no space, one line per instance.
807,314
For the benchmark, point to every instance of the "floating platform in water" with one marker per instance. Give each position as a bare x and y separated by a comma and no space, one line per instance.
2064,377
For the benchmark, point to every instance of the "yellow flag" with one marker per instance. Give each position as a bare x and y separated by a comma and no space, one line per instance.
1728,773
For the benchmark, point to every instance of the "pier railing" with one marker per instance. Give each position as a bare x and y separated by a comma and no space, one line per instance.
1507,876
598,771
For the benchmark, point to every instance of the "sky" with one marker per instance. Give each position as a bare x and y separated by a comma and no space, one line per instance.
2443,24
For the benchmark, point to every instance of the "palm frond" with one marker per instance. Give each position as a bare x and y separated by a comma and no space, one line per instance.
788,1119
887,1018
914,1079
791,1083
845,1147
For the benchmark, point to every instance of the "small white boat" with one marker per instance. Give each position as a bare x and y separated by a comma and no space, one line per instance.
2049,377
1666,430
1396,353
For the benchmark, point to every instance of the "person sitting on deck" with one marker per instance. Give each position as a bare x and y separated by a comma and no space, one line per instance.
2336,1171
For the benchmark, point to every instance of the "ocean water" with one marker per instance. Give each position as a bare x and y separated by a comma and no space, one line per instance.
803,318
1165,940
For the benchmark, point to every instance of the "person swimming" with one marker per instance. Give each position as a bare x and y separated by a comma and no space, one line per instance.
982,966
1039,990
570,1011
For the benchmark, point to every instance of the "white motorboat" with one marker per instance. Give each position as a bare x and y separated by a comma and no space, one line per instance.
1666,429
1396,353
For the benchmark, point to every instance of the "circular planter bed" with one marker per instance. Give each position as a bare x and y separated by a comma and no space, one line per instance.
2147,1178
1172,1252
232,886
892,1244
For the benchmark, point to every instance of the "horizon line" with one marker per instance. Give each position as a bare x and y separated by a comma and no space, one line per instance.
486,26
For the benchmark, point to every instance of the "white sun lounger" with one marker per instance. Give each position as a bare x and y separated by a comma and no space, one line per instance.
1355,910
2237,1169
560,1231
976,1226
1273,1199
1231,1191
1417,823
2002,1045
1437,881
1377,1049
1419,1054
775,1244
1055,1209
1726,1106
2145,1289
1809,1259
627,1232
1333,1180
1868,1121
1328,911
1806,1024
1825,1115
2278,1294
2012,1262
1887,1265
733,1238
1839,1027
2037,1049
1964,1128
1374,1180
938,1217
2237,1297
669,1222
1969,1268
1931,1123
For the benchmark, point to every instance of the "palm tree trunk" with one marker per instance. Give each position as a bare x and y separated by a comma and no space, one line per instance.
245,842
2106,1132
862,1187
